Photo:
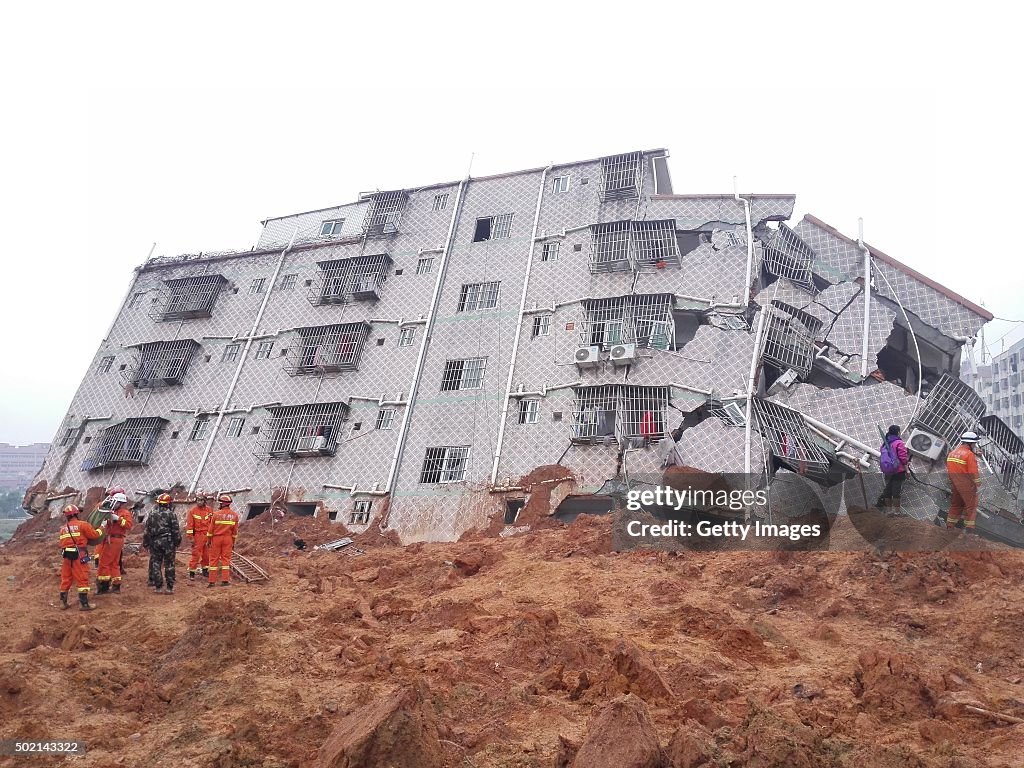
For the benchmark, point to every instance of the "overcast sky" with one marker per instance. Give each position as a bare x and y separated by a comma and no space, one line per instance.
127,126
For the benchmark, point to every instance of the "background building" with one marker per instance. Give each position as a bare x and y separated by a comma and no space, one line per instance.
408,357
19,464
999,384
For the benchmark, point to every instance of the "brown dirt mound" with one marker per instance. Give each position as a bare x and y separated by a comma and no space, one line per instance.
893,682
620,735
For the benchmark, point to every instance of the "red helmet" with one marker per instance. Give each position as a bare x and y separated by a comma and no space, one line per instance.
71,510
164,499
116,489
224,499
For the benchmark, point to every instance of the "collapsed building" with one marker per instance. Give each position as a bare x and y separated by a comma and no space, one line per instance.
404,359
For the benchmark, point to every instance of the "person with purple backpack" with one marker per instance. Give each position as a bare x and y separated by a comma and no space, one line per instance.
893,461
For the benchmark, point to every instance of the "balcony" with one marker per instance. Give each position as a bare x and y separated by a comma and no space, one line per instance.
299,431
343,281
327,349
621,176
626,246
160,364
385,214
128,444
189,298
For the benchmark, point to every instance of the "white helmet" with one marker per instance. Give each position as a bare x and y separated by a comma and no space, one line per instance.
969,437
120,497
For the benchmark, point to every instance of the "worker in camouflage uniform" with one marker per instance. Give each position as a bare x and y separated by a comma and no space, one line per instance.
162,537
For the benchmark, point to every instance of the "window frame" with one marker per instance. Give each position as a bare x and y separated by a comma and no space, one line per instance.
440,201
336,226
106,363
499,227
473,295
549,251
424,265
231,352
451,459
407,337
541,326
289,281
560,184
231,428
199,430
529,411
385,420
458,372
258,286
263,350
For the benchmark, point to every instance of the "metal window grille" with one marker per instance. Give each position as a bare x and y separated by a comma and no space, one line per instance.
619,411
730,414
231,352
620,246
361,513
463,374
493,228
1005,452
528,410
789,338
541,326
622,176
259,285
385,214
294,431
441,201
345,280
331,228
160,364
446,464
560,184
425,265
474,296
407,337
641,319
129,443
786,255
136,298
199,429
190,297
235,426
549,251
263,350
385,418
327,349
951,408
288,282
106,364
788,438
68,437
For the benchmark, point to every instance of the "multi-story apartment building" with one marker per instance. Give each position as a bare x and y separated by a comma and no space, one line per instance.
19,464
406,358
1000,386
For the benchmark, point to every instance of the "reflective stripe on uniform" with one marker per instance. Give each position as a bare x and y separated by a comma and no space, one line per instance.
223,522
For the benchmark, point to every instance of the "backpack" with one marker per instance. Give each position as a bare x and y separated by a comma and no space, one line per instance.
888,460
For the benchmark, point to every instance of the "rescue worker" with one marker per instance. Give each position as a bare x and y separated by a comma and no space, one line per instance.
101,513
222,534
116,526
964,479
196,526
75,534
161,538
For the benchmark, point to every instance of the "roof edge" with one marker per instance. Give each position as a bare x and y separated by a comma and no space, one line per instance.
725,196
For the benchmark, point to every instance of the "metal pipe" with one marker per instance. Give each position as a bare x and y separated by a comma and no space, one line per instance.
754,357
421,356
519,329
867,298
750,238
837,435
240,366
917,349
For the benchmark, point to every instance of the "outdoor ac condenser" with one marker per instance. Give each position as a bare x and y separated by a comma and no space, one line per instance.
925,444
588,357
622,354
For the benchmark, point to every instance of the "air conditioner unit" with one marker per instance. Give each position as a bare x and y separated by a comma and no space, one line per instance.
588,357
622,354
925,444
783,382
311,444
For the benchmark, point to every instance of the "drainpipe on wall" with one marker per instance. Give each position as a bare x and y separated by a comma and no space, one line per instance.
750,241
428,329
867,298
750,381
241,364
519,329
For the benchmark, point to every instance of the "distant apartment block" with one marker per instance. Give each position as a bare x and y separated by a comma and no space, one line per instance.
19,464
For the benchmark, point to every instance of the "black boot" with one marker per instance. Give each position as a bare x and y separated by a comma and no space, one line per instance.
102,587
64,601
116,588
83,602
191,575
206,572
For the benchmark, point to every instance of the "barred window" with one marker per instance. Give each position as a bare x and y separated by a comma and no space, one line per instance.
474,296
463,374
541,325
407,337
424,265
385,418
199,429
441,201
68,437
235,426
105,364
528,411
550,251
288,282
259,285
263,350
493,228
136,298
445,465
231,353
360,513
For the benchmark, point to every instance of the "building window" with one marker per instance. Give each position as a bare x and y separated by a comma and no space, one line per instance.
263,350
129,443
463,374
445,465
259,285
235,426
425,265
189,298
328,348
541,325
199,429
528,411
136,298
385,418
231,353
550,251
162,363
407,337
359,278
331,227
361,513
493,228
560,184
474,296
441,201
68,437
105,364
295,431
288,282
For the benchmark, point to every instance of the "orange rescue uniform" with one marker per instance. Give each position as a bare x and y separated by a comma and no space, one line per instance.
222,534
962,466
196,526
74,535
110,558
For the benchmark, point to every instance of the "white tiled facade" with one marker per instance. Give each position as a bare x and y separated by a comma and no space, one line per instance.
433,255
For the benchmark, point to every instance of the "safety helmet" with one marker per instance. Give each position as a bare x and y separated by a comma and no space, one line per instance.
969,437
119,496
202,495
163,498
224,499
71,510
116,489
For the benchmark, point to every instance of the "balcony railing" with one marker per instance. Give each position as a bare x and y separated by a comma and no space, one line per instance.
385,214
346,280
189,298
297,431
129,443
327,349
160,364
